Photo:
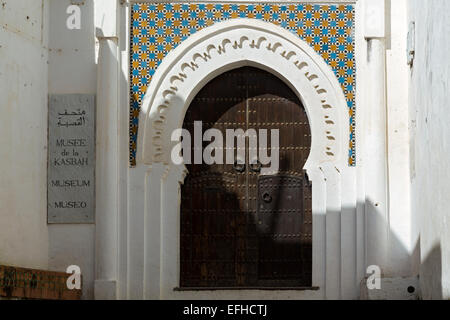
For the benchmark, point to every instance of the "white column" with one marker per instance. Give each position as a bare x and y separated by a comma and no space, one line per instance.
107,161
349,287
152,236
136,224
375,141
319,214
333,232
170,228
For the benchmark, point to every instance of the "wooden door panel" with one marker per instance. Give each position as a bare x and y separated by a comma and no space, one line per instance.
282,237
284,249
213,195
227,238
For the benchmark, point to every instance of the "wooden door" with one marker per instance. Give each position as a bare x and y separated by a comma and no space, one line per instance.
240,229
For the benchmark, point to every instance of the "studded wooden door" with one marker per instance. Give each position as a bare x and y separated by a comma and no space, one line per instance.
239,228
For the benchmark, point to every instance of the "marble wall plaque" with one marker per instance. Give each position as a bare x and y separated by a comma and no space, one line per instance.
71,159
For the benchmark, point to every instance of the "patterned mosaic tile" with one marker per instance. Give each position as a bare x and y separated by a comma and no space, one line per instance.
156,29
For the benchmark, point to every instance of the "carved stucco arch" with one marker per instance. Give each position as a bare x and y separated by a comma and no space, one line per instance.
185,70
232,44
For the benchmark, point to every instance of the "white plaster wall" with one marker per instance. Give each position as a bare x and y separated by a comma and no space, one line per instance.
430,143
40,56
23,133
388,238
72,69
31,47
401,245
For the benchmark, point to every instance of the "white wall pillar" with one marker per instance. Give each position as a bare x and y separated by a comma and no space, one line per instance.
333,232
152,236
171,181
136,231
375,141
107,162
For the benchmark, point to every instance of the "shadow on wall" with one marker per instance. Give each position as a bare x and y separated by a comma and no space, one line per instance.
399,278
397,259
384,248
398,262
431,275
403,265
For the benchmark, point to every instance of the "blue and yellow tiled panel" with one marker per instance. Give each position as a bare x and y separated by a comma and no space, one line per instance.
158,28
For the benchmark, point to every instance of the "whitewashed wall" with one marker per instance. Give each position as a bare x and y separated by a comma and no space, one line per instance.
23,133
40,56
430,143
72,69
